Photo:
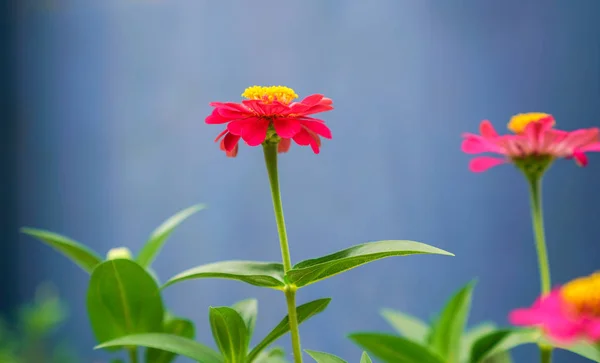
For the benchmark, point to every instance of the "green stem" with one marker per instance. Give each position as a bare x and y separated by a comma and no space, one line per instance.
535,191
270,151
133,356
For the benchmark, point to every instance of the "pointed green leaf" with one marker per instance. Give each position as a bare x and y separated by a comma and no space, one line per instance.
471,336
408,326
500,341
446,333
159,236
275,355
311,271
230,333
365,358
83,256
322,357
175,326
171,343
264,274
304,312
395,349
582,348
123,299
248,310
503,357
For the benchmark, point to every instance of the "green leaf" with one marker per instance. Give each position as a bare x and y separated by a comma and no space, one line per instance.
159,236
321,357
264,274
275,355
446,333
365,358
471,336
582,348
171,343
395,349
230,333
248,310
500,341
503,357
123,299
304,312
311,271
83,256
407,325
175,326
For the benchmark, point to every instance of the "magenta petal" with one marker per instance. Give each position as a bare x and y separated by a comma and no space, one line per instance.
486,129
287,128
592,147
483,163
318,127
230,141
580,158
255,133
216,118
284,145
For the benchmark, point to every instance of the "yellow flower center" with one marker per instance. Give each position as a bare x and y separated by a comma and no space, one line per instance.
269,94
518,122
583,294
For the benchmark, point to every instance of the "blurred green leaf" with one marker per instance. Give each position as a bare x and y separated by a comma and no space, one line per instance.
230,333
407,325
174,326
447,332
263,274
500,341
248,310
311,271
172,343
582,348
304,312
75,251
365,358
471,336
123,299
275,355
321,357
159,236
395,349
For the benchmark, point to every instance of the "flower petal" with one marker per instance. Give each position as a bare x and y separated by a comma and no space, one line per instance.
486,129
255,133
580,158
475,144
230,141
284,145
216,118
483,163
318,127
287,127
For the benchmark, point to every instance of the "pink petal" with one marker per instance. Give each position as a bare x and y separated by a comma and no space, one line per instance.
486,129
287,127
230,141
318,127
312,100
580,158
592,147
216,118
237,127
483,163
475,144
255,133
220,135
593,330
284,145
307,137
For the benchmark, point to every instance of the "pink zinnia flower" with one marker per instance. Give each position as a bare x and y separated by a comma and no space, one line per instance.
567,313
269,114
535,140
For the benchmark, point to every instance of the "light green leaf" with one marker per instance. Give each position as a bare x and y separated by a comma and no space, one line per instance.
407,325
365,358
471,336
264,274
248,310
230,333
582,348
175,326
321,357
275,355
395,349
311,271
499,341
503,357
159,236
304,312
83,256
123,299
169,342
446,333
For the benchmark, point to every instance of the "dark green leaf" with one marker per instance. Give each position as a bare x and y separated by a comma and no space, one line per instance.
394,349
159,236
471,336
304,312
446,333
264,274
407,325
230,333
501,341
171,343
248,310
321,357
75,251
123,299
365,358
311,271
175,326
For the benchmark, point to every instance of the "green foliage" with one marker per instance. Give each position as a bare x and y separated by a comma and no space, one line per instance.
174,326
321,357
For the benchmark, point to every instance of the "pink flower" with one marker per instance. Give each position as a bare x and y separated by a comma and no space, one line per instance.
270,115
535,139
567,313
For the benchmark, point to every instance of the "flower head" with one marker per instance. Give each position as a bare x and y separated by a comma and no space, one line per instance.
533,146
269,115
568,312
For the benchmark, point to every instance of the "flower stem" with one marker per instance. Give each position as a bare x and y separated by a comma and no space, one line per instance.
270,151
535,191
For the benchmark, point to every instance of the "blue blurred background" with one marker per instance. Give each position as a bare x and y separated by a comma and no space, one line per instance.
105,138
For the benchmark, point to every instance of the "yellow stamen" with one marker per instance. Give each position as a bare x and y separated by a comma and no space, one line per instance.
269,94
583,294
518,122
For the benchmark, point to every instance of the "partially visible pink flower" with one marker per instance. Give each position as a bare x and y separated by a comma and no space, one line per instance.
270,115
534,139
566,314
